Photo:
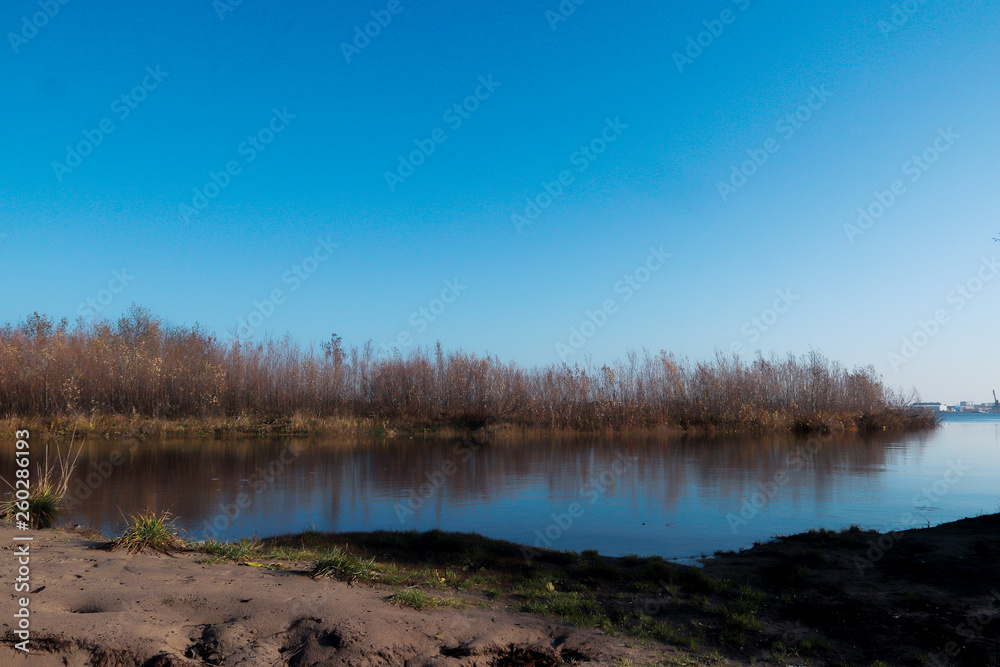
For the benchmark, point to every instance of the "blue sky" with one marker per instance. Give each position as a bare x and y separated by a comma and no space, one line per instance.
258,105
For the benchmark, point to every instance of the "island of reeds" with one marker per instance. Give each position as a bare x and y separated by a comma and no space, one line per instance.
138,375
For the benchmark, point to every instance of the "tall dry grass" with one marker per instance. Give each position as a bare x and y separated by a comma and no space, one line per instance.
47,490
139,366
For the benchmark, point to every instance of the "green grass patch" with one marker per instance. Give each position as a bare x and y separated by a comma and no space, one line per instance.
630,596
852,535
232,551
631,560
699,602
573,607
741,620
811,646
345,566
739,616
419,600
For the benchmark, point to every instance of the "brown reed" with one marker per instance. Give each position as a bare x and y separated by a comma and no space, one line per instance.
138,366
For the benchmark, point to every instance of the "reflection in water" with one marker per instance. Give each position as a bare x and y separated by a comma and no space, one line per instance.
618,494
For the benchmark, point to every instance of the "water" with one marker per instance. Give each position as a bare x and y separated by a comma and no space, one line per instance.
677,497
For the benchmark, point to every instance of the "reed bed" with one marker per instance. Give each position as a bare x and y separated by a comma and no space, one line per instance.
139,367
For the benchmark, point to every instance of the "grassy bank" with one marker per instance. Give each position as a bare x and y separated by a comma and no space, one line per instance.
848,597
138,376
435,569
911,598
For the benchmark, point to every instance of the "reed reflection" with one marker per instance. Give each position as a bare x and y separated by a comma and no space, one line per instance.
362,483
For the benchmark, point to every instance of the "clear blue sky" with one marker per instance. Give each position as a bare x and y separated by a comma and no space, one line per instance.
267,91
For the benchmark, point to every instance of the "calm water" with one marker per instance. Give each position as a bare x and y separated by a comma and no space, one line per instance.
675,497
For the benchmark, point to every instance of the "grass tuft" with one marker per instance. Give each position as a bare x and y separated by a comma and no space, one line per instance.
232,551
46,491
344,566
147,530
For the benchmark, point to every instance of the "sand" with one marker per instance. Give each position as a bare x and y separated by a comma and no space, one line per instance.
92,606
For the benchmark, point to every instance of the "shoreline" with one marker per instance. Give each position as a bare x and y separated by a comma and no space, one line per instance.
221,428
915,597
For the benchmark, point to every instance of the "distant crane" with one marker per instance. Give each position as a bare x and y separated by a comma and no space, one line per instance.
996,403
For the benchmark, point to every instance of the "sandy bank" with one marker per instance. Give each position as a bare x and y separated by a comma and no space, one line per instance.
91,606
853,597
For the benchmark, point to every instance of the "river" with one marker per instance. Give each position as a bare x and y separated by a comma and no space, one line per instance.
673,496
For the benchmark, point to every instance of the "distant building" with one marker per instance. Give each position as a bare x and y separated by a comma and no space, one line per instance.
930,407
972,406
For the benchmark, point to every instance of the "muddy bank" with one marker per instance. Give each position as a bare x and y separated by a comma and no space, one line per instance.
927,596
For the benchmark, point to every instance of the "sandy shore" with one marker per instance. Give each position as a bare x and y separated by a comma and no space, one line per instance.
91,606
853,597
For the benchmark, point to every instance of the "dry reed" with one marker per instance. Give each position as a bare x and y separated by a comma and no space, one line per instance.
142,368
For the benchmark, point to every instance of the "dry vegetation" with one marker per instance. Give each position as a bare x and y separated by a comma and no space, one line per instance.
141,369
